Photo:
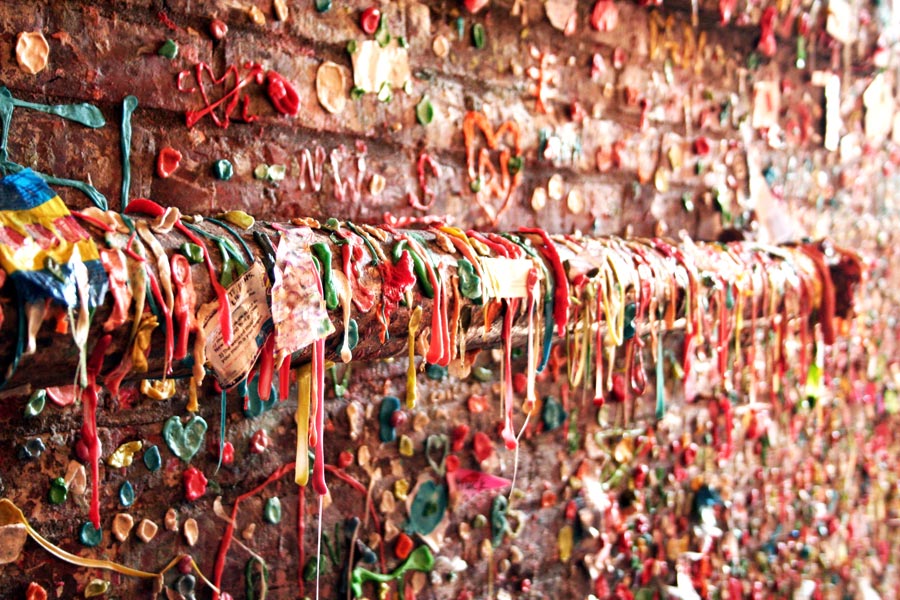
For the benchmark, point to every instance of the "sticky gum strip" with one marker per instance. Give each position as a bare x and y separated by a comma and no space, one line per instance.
415,320
318,390
561,282
351,253
544,308
266,371
454,309
379,258
223,424
575,340
321,251
530,355
438,350
610,344
345,295
826,295
167,319
185,303
89,426
301,418
506,392
165,280
193,404
599,398
489,295
462,243
149,207
660,377
116,266
250,256
34,316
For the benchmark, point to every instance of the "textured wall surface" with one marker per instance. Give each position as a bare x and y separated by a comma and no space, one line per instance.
778,121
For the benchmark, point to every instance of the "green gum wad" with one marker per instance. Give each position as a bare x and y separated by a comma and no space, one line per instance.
469,281
428,508
59,491
418,267
193,252
352,334
323,253
389,405
420,559
272,510
36,403
499,523
552,413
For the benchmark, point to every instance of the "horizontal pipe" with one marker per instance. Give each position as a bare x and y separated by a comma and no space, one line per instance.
586,279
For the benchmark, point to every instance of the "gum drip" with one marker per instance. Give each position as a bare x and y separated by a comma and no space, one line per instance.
319,547
301,417
222,425
318,367
318,388
507,433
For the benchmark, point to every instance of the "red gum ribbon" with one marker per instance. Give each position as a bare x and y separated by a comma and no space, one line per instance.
318,368
93,221
266,368
118,287
466,250
512,249
231,98
722,342
396,280
693,319
428,194
228,535
827,306
561,293
439,345
149,207
185,303
284,378
351,252
437,349
496,248
89,425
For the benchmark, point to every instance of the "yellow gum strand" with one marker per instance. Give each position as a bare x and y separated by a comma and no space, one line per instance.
455,232
581,352
142,343
199,353
415,319
376,244
610,333
11,514
738,317
137,279
301,417
193,404
616,322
